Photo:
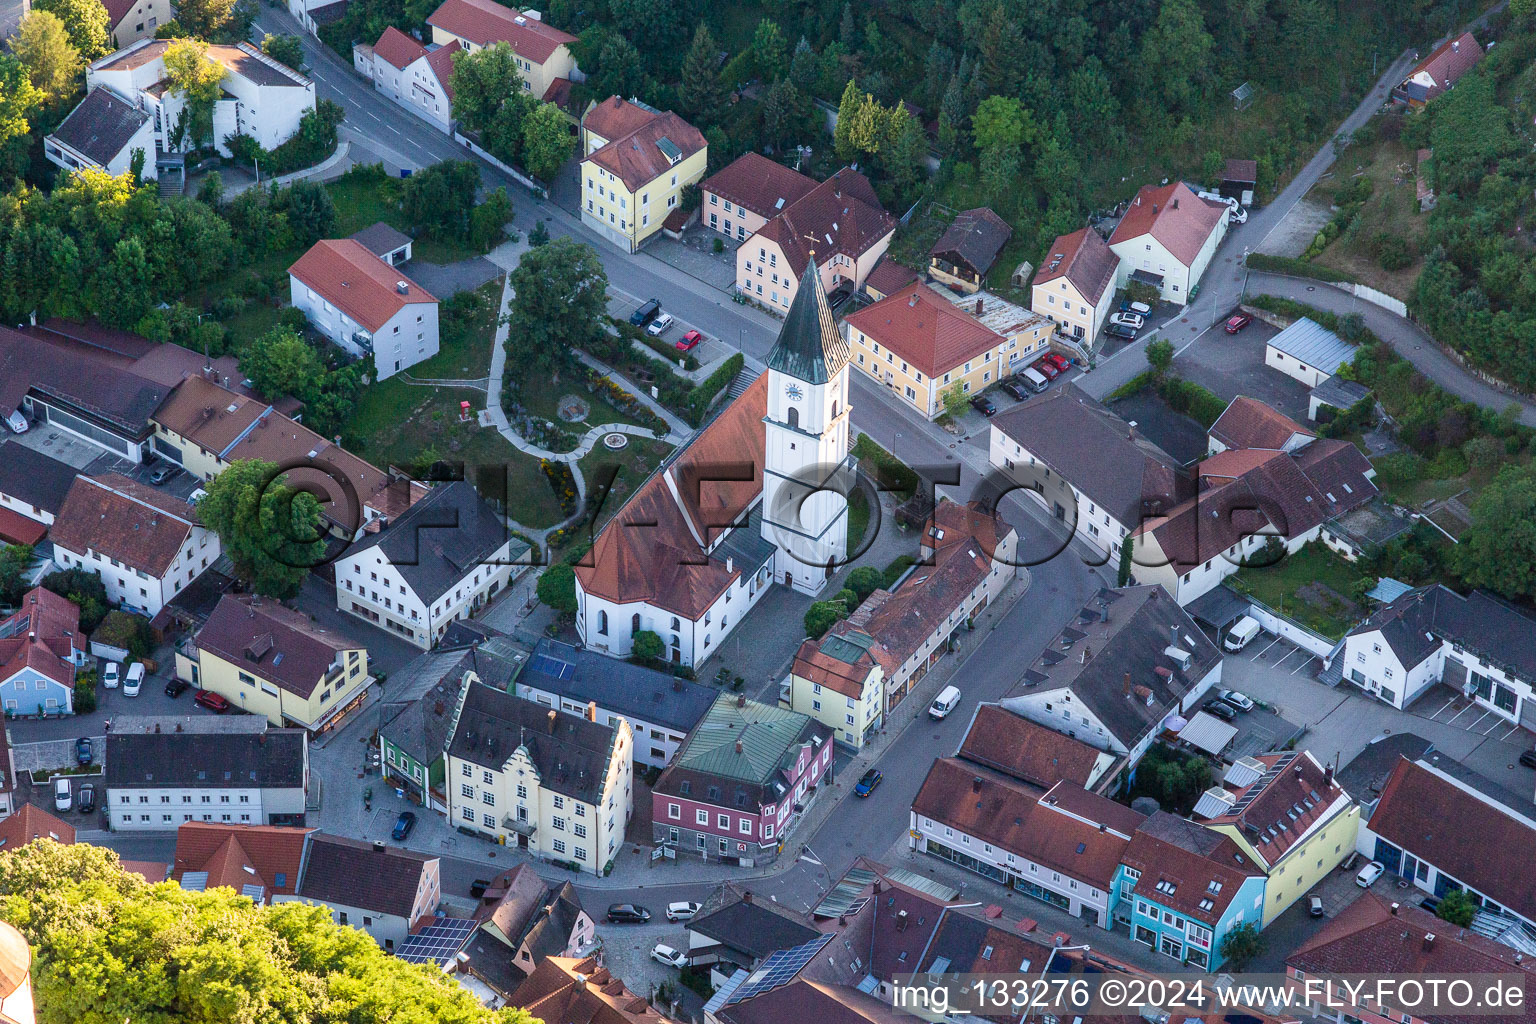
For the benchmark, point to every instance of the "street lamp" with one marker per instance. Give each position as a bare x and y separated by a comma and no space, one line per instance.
808,855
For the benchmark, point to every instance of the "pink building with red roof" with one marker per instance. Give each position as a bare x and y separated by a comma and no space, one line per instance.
40,649
415,76
1167,239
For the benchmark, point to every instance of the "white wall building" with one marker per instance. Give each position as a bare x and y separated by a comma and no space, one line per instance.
155,781
414,76
380,889
104,132
365,305
1168,238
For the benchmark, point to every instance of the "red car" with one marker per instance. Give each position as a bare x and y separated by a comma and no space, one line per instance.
1238,322
1062,362
1048,368
689,341
211,701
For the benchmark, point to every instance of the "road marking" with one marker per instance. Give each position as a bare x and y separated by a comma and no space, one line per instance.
395,130
1447,704
1458,714
1472,726
1303,665
1265,651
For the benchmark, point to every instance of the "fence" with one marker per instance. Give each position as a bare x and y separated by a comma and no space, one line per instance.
1288,628
531,183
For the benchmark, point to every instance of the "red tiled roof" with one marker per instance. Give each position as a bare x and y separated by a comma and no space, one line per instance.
558,93
637,157
485,23
758,184
889,276
1084,259
841,216
355,281
925,329
1249,423
151,871
43,634
816,661
398,48
1015,746
615,117
1452,59
1173,215
239,855
16,528
1182,870
569,989
440,61
32,822
120,518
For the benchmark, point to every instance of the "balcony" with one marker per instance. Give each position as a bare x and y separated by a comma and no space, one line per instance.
522,828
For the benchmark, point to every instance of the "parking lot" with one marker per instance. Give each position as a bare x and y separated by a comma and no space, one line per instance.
1233,364
92,461
1443,704
711,349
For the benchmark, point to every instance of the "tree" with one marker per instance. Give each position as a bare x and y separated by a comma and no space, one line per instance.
784,113
281,363
770,51
284,49
557,588
822,616
480,82
126,283
1000,46
1160,356
271,532
85,21
620,69
1522,8
847,111
1123,575
1457,907
547,141
14,559
204,19
560,304
211,191
18,99
1242,946
661,24
311,213
190,72
954,400
84,590
44,49
487,223
109,947
647,646
702,92
1176,53
1498,550
865,580
126,630
905,152
438,199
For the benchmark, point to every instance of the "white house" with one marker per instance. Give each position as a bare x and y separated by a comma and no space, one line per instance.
32,485
365,305
104,132
414,76
380,889
440,560
695,547
1308,352
260,97
156,780
145,544
315,14
1167,239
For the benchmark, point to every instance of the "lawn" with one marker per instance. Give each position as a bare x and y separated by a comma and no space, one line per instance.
540,395
1392,209
858,520
465,342
1314,586
635,463
361,200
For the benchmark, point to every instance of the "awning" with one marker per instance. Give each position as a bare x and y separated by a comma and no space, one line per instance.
16,528
1218,608
1208,733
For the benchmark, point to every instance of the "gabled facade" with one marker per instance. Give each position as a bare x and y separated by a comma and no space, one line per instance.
415,76
1439,71
964,254
104,133
553,784
633,179
128,21
363,304
1075,285
542,52
380,889
144,544
1167,239
41,648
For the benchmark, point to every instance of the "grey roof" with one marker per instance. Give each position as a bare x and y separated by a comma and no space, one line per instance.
269,760
1094,659
442,538
570,753
809,347
101,125
973,239
619,686
1218,606
353,873
420,707
32,478
549,931
1098,452
379,238
1313,344
1339,393
1371,526
1365,776
1484,626
731,916
96,386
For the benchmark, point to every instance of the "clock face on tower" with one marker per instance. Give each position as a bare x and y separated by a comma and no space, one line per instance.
793,392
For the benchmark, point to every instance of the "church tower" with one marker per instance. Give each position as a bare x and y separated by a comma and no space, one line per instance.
807,440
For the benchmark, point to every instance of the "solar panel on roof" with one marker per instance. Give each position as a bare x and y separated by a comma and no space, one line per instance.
438,943
545,665
780,969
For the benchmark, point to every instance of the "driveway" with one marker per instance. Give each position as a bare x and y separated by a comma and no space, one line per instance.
1233,364
445,279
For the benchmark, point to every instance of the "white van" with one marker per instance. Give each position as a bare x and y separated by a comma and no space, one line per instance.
63,796
134,679
947,700
1246,629
1033,379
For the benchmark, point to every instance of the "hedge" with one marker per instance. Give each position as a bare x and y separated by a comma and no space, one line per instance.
893,474
1297,268
700,397
1199,403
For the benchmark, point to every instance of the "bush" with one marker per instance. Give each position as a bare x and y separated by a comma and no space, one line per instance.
1393,252
1400,468
1200,404
890,473
128,631
85,696
700,398
863,581
1295,267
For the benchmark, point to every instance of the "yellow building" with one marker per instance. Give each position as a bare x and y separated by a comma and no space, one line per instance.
542,51
1287,813
920,343
635,163
838,681
272,661
1075,285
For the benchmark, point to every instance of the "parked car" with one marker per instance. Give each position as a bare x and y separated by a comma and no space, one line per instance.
1136,307
177,687
85,803
109,675
210,700
840,294
628,913
164,473
689,341
1225,712
17,422
665,954
646,312
1050,369
1134,321
1238,322
83,753
1369,874
1239,215
681,911
1315,905
983,405
660,325
1014,388
63,796
403,826
867,782
1120,331
1062,362
134,679
1528,758
1034,380
1241,701
1242,634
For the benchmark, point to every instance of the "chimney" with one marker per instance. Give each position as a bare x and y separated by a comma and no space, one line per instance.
591,710
378,847
552,719
1154,208
1394,909
677,685
1127,684
738,746
741,700
157,727
901,920
746,896
581,982
1429,941
912,302
976,784
1130,431
1175,202
402,287
1173,634
1455,48
877,887
1087,653
1327,776
730,563
978,307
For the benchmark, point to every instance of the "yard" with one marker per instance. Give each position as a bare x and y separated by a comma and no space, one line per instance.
635,463
1314,586
361,200
466,335
1391,211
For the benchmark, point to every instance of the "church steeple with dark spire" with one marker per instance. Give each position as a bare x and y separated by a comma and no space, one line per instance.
810,347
